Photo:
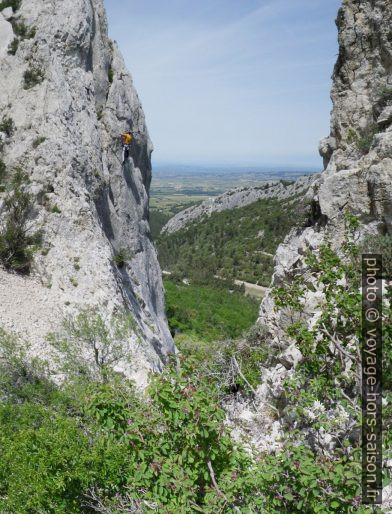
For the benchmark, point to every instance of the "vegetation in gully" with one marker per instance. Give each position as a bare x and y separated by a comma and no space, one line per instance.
99,445
208,313
233,244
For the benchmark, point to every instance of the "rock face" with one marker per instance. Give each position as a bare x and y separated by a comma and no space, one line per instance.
237,198
358,151
69,95
358,175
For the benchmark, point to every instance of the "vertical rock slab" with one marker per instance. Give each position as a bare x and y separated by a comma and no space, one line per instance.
70,96
358,176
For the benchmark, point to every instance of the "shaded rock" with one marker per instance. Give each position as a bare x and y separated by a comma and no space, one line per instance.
82,99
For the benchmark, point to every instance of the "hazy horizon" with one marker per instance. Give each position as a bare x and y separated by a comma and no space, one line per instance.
236,166
185,168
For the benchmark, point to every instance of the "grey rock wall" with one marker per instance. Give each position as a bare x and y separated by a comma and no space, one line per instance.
358,151
84,101
358,176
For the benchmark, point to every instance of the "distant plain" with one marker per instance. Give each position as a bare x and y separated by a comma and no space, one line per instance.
174,188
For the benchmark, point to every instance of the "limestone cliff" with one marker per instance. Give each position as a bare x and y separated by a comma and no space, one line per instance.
66,96
358,176
358,153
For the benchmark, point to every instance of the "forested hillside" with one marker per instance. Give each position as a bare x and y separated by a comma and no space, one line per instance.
235,244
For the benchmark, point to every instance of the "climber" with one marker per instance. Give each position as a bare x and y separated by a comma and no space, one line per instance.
126,139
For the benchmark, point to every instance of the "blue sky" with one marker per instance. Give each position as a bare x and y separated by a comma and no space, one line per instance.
235,82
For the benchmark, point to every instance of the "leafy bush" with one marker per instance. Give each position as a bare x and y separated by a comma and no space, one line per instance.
45,461
7,126
17,246
103,441
22,30
122,257
21,376
339,278
329,373
33,76
311,483
90,346
101,446
184,444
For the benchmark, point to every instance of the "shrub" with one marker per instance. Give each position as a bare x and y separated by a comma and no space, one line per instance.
38,141
32,77
7,126
92,346
323,375
3,173
110,74
101,446
21,376
13,46
45,460
15,4
17,246
364,140
122,257
386,94
22,30
174,451
97,444
55,209
311,483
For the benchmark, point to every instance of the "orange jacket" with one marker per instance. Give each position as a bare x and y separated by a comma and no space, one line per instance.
126,138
